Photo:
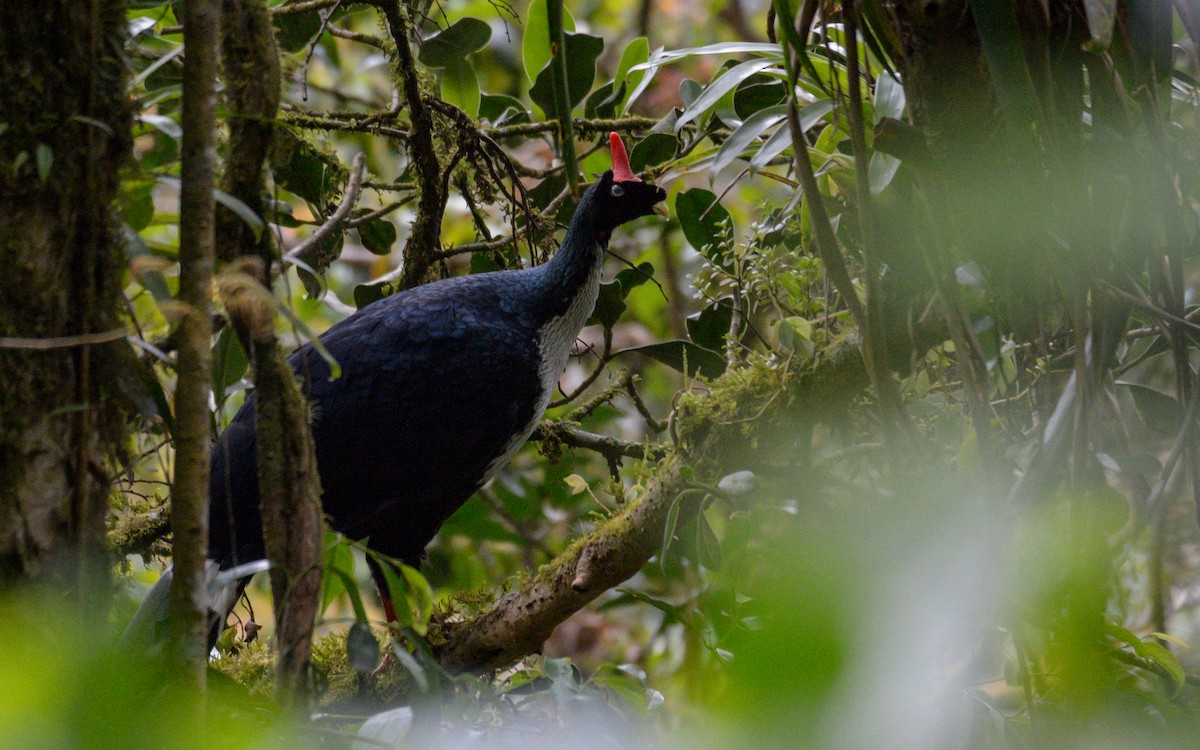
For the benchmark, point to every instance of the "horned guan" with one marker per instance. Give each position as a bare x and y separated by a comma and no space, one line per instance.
439,386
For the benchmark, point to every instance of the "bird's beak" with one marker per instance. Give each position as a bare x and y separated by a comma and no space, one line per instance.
662,210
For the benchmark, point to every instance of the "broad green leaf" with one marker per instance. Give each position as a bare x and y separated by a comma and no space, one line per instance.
749,132
709,327
683,356
795,333
460,86
755,94
723,48
377,235
339,556
720,87
636,53
705,224
294,30
655,148
535,47
229,362
889,98
362,650
163,124
781,139
387,729
501,108
1159,411
880,171
299,168
452,44
582,50
738,483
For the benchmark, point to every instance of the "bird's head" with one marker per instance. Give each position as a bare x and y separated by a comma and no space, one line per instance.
620,195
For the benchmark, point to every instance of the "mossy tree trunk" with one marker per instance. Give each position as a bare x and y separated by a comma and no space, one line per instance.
64,135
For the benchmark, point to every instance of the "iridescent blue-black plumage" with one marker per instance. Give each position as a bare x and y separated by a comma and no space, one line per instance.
436,384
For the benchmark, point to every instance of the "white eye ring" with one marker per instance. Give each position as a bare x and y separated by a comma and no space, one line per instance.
617,191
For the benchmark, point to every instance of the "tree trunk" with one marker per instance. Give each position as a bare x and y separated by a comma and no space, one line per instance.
65,122
189,491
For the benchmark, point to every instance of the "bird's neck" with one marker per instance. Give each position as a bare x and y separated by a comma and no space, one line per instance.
571,279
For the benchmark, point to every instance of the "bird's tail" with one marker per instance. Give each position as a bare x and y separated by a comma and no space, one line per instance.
146,632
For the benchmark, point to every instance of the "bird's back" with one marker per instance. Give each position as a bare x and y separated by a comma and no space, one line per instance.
436,384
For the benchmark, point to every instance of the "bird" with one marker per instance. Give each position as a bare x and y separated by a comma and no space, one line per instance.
439,386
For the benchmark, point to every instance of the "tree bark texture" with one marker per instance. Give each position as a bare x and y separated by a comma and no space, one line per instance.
420,251
291,511
287,468
66,133
189,493
250,65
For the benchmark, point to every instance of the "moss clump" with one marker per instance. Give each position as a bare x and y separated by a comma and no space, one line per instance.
252,666
335,682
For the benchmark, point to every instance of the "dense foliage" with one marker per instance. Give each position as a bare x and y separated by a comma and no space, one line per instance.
908,382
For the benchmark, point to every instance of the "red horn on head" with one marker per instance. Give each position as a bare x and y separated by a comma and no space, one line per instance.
620,161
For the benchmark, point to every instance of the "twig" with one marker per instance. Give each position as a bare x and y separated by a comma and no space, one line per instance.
353,187
356,36
304,7
609,447
61,342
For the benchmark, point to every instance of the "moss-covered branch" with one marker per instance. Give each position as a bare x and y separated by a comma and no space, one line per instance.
716,428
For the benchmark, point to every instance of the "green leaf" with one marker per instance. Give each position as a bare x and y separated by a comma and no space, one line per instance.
138,204
738,484
601,103
683,356
610,303
636,53
632,278
498,108
889,98
337,556
242,211
1159,411
1101,14
708,547
460,86
705,224
723,48
749,132
709,327
582,50
362,650
655,148
44,158
298,167
669,530
795,333
720,87
535,47
880,171
294,30
781,139
377,235
452,44
754,95
163,124
229,362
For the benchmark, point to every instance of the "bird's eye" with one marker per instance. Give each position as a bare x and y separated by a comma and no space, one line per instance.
617,191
